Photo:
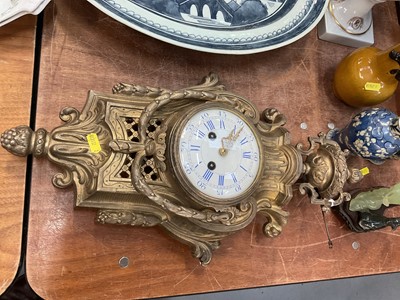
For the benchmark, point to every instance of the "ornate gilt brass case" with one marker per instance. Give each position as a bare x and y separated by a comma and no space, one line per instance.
121,155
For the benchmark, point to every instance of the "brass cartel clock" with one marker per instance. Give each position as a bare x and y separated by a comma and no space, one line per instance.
200,162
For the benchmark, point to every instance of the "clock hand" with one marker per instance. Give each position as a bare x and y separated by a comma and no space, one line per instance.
234,138
223,151
231,137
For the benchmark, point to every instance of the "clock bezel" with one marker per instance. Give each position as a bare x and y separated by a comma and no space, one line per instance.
193,192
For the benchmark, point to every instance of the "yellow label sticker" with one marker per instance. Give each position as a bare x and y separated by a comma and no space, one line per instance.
94,143
372,86
364,171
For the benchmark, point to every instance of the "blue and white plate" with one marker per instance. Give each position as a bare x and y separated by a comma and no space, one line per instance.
219,26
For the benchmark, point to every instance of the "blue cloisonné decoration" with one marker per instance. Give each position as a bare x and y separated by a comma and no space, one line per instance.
373,134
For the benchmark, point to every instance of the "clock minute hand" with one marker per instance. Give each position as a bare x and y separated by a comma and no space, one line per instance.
231,137
234,138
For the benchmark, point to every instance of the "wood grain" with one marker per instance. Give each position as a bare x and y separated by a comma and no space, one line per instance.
17,42
69,256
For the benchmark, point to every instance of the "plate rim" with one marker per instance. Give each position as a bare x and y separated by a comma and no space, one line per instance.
172,41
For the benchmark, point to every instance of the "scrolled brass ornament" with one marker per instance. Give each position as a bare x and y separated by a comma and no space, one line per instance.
200,162
326,172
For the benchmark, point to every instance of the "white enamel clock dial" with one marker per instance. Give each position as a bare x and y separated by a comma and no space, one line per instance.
219,153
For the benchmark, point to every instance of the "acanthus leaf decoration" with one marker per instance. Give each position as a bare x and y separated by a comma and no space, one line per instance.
69,147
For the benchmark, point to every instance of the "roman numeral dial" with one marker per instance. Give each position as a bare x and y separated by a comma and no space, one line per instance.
219,153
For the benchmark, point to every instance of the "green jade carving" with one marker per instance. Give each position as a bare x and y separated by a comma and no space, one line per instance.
365,212
374,199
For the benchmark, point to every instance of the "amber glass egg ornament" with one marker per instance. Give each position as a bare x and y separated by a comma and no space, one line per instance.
367,76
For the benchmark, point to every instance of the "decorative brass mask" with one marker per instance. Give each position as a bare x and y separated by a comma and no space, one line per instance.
125,155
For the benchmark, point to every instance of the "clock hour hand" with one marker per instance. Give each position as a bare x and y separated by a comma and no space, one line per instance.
230,138
223,151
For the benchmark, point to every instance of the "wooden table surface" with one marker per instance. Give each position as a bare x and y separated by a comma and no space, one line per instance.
17,45
71,257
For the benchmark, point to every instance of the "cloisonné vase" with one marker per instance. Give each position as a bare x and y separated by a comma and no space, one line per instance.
373,134
367,76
